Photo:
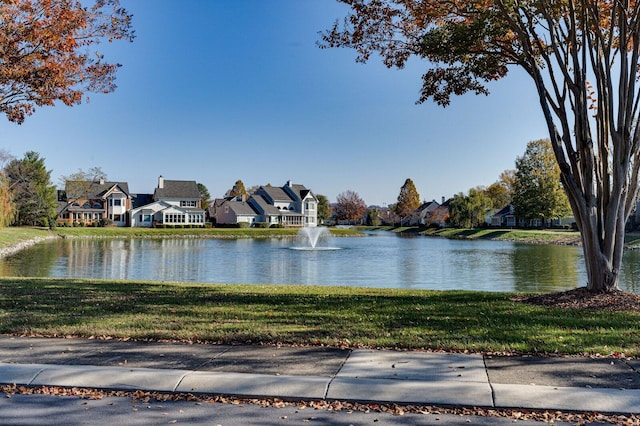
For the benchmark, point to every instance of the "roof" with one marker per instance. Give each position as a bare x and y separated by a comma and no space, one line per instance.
139,200
241,208
92,189
264,206
428,207
300,190
177,189
275,193
505,211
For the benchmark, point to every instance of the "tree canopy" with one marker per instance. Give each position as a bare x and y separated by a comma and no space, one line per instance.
349,206
538,193
238,190
33,194
324,210
46,52
582,58
408,199
205,197
469,211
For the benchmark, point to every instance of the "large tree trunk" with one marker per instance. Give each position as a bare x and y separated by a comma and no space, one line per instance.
603,269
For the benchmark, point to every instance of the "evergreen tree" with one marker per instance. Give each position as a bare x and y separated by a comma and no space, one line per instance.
33,194
205,197
324,210
538,192
408,199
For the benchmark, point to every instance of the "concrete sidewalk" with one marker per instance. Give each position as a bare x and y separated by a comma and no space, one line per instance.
555,383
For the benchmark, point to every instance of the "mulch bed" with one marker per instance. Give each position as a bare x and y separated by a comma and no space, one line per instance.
581,298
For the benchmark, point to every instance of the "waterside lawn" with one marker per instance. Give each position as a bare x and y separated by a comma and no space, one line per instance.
309,315
298,315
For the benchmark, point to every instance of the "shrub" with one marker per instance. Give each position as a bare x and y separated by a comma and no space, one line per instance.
243,225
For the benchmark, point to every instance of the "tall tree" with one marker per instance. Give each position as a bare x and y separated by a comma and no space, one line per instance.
46,52
408,199
324,209
238,190
33,194
538,193
7,207
582,58
205,197
499,195
350,207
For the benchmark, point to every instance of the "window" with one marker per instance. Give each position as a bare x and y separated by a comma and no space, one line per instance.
311,206
174,218
117,202
117,218
188,203
145,217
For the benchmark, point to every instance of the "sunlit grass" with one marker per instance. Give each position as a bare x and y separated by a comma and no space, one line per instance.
409,319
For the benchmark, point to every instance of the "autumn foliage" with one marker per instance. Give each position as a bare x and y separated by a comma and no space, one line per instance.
47,52
583,60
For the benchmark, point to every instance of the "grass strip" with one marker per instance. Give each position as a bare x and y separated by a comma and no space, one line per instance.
309,315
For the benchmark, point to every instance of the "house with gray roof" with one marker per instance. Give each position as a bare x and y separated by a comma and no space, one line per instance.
290,205
175,203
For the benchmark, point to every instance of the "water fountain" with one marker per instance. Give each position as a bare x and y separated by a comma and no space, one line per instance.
309,237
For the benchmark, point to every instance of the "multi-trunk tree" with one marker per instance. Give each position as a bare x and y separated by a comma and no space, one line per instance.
582,58
47,52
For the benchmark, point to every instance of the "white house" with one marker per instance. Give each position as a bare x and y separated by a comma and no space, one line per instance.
175,203
290,205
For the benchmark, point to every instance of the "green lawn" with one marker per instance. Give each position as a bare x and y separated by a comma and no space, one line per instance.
126,232
336,316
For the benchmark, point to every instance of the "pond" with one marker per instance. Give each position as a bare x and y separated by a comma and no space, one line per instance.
381,259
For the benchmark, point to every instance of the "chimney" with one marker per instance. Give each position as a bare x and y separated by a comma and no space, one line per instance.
289,183
160,182
101,181
443,199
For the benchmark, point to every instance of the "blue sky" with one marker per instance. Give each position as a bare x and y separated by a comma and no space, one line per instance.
219,90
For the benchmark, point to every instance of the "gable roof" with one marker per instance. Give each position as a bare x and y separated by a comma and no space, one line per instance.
299,191
275,193
177,189
96,189
428,206
262,206
505,211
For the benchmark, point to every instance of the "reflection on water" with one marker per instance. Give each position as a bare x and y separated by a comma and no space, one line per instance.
379,260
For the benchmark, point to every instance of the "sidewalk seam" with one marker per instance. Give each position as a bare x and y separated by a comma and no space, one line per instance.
493,391
179,382
333,376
